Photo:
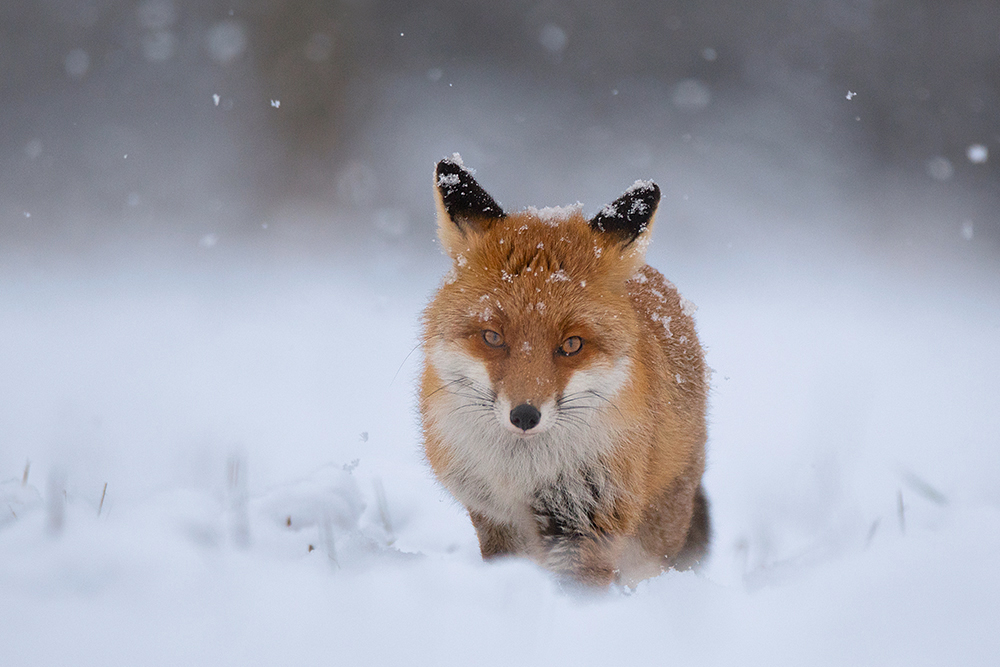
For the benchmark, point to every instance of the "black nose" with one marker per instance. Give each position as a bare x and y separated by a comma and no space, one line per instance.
525,417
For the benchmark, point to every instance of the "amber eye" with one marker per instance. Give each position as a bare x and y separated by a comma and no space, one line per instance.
492,338
571,346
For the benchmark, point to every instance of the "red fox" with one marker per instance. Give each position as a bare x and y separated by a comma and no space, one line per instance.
564,389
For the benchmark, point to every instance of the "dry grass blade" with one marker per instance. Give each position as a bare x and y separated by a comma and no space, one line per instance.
923,488
901,511
383,511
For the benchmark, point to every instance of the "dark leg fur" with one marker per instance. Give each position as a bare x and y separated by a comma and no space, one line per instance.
699,534
495,540
575,548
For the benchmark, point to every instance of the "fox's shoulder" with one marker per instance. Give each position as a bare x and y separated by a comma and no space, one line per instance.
669,318
656,299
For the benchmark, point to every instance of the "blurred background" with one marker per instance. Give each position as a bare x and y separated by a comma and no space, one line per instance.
303,125
217,233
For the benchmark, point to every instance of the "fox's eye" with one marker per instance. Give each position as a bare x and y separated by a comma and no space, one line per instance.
571,346
492,338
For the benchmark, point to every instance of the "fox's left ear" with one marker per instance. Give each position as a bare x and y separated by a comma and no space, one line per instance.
464,208
629,218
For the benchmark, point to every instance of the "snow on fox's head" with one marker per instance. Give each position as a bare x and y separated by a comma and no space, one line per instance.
533,325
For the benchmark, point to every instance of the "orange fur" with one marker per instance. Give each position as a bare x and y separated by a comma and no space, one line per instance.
607,486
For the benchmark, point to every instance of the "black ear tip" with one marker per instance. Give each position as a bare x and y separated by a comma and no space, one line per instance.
447,166
629,216
647,190
462,196
451,165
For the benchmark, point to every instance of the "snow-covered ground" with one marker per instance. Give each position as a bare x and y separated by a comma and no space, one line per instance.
218,463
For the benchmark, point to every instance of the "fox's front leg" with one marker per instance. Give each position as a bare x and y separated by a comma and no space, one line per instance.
574,543
495,539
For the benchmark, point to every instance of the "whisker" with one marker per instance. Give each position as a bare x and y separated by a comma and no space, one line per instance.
422,341
605,399
575,396
474,407
472,384
472,395
444,386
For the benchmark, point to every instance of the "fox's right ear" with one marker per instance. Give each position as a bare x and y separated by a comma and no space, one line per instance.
464,209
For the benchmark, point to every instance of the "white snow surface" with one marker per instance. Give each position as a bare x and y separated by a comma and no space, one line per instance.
267,502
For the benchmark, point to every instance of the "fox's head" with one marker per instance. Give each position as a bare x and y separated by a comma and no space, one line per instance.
533,329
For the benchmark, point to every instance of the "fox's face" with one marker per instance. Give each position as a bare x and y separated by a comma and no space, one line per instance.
532,331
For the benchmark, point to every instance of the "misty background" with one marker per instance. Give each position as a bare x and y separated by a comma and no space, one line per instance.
178,125
204,206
